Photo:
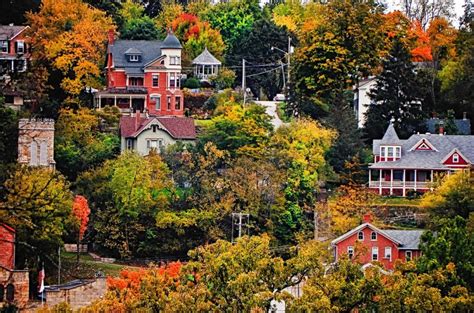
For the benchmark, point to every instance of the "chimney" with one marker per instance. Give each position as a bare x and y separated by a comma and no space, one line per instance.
111,36
367,218
464,115
137,119
441,128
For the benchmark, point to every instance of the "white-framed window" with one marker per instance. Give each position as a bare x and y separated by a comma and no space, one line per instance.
154,144
390,152
455,158
360,235
129,144
4,46
175,60
373,236
134,58
20,47
398,152
350,252
408,255
382,152
375,253
388,253
177,103
155,80
135,81
156,99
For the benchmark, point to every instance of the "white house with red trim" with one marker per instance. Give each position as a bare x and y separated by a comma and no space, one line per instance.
401,165
377,245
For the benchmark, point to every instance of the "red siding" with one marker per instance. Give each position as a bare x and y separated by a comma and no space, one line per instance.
450,162
364,248
7,247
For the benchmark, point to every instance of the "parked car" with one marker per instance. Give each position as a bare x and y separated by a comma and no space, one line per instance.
279,97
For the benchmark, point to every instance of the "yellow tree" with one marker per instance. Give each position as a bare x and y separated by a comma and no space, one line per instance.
69,36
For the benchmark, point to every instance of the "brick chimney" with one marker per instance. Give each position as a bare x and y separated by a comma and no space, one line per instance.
137,120
367,218
111,36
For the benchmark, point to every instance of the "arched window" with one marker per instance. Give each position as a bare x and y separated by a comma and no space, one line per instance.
2,293
10,292
373,236
360,235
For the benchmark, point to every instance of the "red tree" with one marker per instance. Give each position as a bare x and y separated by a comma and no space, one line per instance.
81,211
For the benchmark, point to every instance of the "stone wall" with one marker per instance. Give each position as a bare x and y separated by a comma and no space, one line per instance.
72,247
20,282
77,296
36,142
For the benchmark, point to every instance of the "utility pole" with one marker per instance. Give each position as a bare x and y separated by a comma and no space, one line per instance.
59,265
289,59
243,80
239,219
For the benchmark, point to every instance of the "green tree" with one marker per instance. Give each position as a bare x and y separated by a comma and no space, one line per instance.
135,24
450,242
8,139
224,79
395,97
83,140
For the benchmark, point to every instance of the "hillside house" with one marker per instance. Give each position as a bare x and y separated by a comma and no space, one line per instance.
377,245
407,165
143,75
146,133
14,49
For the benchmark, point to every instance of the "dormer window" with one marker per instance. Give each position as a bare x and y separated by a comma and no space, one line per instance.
134,58
390,152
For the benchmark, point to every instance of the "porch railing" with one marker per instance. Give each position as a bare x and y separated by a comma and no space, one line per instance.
400,184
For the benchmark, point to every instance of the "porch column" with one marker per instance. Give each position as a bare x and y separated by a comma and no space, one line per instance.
145,104
380,182
115,101
415,180
370,177
391,181
100,102
431,185
404,179
130,103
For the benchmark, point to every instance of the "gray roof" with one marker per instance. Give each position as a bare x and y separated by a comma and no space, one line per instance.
171,42
206,58
150,50
410,239
9,31
426,159
405,239
133,50
390,136
463,125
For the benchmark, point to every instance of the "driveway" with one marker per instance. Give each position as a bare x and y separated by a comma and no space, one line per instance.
271,109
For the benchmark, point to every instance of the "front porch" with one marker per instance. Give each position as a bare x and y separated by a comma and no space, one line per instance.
399,182
127,100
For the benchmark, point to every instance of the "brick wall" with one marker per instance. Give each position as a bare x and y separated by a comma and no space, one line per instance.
7,247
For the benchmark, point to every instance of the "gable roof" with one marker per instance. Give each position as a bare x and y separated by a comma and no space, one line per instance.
405,239
206,58
132,50
176,127
8,32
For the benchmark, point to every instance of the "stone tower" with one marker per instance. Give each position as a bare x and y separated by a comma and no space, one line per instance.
36,142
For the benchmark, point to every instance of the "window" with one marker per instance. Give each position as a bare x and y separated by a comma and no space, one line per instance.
2,293
350,252
455,158
382,152
157,101
134,58
175,60
408,255
129,144
390,152
373,236
10,292
154,144
177,103
33,153
4,46
43,159
20,47
155,128
155,80
375,253
360,235
135,81
398,152
388,253
172,80
168,103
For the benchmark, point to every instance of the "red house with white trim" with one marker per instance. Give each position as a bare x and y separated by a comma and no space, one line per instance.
407,165
143,75
377,245
14,48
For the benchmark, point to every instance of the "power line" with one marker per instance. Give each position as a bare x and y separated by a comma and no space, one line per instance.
268,71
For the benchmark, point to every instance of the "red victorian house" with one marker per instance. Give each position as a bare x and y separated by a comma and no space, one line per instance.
407,165
143,74
384,246
14,50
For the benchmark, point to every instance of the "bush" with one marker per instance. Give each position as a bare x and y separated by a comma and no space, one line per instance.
224,79
192,83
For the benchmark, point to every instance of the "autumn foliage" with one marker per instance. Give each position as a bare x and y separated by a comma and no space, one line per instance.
81,211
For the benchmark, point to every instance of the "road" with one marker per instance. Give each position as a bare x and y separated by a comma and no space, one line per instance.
271,109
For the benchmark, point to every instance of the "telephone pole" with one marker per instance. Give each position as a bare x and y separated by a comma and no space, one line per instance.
243,80
240,220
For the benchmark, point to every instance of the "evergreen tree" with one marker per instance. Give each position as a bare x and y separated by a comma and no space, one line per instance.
395,96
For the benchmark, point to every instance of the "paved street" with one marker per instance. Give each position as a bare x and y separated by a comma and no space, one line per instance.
271,108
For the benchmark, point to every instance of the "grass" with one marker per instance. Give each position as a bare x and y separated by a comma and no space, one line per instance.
281,111
202,123
398,201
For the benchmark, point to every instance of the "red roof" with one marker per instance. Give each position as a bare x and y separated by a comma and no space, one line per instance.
177,127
